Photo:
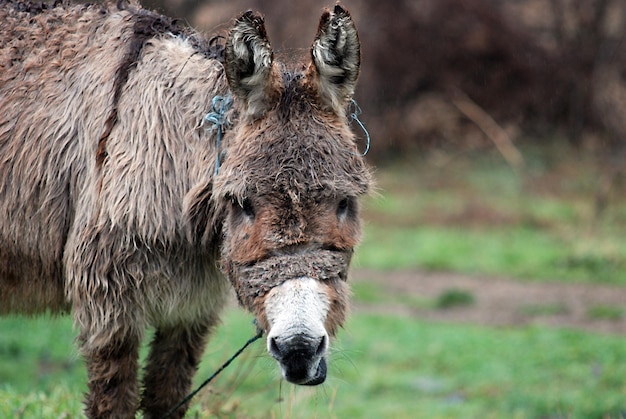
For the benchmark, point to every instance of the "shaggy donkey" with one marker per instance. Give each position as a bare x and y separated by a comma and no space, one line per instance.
111,205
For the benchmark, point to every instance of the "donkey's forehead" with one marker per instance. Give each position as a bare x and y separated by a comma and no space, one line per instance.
310,159
296,98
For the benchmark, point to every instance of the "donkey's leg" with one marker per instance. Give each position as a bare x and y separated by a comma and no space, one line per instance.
174,356
111,327
112,375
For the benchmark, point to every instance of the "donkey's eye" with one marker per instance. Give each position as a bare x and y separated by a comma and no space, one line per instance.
247,208
244,207
343,207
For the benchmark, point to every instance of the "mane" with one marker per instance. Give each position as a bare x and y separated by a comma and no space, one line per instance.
148,24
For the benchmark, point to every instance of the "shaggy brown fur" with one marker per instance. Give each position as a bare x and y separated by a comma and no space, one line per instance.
109,206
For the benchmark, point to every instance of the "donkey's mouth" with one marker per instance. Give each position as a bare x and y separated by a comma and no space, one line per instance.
320,375
301,375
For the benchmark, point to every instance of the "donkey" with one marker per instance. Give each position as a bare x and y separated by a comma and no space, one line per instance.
122,203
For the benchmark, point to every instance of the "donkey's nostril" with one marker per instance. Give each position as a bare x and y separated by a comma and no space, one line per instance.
274,349
321,348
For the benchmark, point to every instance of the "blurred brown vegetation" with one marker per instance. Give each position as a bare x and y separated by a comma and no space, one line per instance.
442,72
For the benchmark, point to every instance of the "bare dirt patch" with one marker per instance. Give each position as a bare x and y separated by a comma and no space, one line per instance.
504,302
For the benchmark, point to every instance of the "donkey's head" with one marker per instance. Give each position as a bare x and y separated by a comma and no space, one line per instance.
290,182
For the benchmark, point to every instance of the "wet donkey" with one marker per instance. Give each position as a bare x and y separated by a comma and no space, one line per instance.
119,204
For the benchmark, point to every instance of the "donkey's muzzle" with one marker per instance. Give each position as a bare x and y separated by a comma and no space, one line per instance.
301,359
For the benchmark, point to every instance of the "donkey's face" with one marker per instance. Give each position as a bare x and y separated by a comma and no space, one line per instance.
290,183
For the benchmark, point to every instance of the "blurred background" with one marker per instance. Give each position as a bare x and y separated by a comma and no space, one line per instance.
491,282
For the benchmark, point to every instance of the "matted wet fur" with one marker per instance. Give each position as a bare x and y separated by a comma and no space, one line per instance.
111,207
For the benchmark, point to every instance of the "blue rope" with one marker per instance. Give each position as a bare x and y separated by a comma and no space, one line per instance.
355,111
217,118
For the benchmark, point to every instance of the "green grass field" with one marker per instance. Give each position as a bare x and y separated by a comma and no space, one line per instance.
382,366
473,215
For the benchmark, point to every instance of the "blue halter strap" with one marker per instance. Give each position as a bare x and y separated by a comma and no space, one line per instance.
220,105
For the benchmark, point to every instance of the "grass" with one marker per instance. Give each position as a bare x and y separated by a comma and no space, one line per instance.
608,312
37,352
478,216
381,366
454,298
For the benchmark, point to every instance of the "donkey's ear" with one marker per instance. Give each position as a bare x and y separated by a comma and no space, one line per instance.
248,61
336,58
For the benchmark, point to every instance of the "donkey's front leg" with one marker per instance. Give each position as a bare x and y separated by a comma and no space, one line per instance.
174,356
112,373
